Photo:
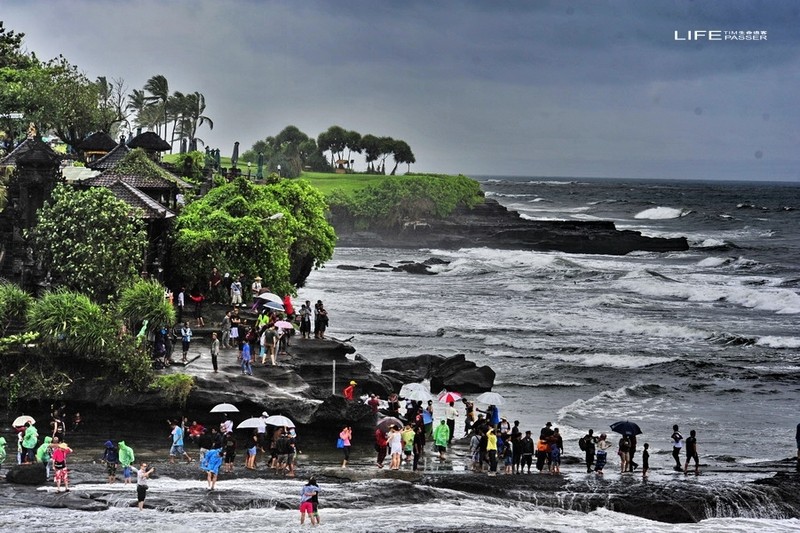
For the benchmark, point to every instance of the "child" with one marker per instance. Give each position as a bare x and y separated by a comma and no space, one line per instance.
645,460
555,459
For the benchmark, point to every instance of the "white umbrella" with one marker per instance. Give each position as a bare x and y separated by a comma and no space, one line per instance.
253,423
224,408
491,398
275,306
406,389
279,420
418,395
270,297
22,420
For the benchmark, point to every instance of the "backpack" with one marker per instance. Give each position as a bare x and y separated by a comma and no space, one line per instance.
582,443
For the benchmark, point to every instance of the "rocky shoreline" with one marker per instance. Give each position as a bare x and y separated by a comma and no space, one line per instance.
492,225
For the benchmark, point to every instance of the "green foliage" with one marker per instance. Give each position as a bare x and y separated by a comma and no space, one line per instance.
191,165
231,228
89,240
174,387
395,200
72,325
144,300
14,303
136,163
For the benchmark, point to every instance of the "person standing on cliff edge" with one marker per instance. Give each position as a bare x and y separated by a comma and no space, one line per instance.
677,444
349,391
797,438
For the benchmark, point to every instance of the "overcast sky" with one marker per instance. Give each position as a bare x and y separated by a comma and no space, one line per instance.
561,88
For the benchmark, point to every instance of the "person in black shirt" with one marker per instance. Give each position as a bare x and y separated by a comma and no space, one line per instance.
691,453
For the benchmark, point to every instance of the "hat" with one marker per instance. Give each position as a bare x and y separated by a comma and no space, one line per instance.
257,278
549,424
264,414
63,446
109,444
353,383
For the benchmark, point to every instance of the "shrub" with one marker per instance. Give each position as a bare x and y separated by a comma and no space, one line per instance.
174,387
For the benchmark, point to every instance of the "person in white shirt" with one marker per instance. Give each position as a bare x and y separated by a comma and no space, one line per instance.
450,414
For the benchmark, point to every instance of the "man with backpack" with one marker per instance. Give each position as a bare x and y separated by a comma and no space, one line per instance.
586,444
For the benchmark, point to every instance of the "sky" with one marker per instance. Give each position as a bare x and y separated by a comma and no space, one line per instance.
538,88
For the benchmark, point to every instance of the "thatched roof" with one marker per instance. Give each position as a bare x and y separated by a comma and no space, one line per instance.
137,199
98,141
149,141
111,159
32,152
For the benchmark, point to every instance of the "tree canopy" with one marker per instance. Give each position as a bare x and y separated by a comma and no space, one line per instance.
90,241
267,230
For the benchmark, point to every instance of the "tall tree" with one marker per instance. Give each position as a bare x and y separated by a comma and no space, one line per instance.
371,146
193,118
158,87
385,149
402,154
333,140
111,103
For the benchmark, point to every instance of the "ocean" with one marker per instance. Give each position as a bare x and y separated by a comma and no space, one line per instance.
707,339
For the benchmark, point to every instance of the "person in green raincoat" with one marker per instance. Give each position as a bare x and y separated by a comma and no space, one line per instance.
126,459
3,453
441,436
29,440
44,454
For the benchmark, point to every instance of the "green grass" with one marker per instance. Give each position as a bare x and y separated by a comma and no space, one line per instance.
328,182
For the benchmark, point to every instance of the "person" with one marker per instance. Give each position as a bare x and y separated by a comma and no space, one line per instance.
600,460
797,439
307,493
395,439
126,459
176,450
349,391
181,302
305,321
236,293
214,351
691,453
30,439
59,428
226,426
197,298
632,465
555,459
345,435
215,286
252,451
469,415
491,450
186,339
587,444
255,290
504,426
381,443
475,450
211,463
507,453
407,437
427,419
268,340
528,448
624,453
291,452
374,403
450,414
441,437
645,460
320,321
142,475
247,367
111,458
61,475
44,455
418,445
546,432
677,444
236,321
230,452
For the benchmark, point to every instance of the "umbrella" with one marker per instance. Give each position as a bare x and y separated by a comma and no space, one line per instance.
279,420
446,397
418,395
626,428
385,422
274,305
270,297
491,398
406,389
22,420
252,423
224,408
284,324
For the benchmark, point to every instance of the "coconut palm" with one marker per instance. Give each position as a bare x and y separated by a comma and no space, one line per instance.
158,87
193,118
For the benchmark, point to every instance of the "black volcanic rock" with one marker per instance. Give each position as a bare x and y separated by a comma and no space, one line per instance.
458,374
414,268
411,369
30,474
492,225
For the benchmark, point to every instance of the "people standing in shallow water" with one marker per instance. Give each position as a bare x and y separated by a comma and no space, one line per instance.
587,444
645,460
142,476
677,444
797,438
307,494
691,453
600,460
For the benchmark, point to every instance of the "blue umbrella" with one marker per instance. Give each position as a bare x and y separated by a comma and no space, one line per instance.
626,428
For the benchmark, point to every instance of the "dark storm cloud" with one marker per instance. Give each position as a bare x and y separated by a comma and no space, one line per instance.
559,88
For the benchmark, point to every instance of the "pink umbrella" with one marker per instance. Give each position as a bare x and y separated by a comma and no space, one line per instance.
284,324
446,397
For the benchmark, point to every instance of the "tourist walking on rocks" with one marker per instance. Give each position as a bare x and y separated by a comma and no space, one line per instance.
44,455
691,453
418,445
645,460
211,463
600,460
320,321
797,439
235,332
528,449
111,458
60,466
198,298
309,491
349,391
441,437
126,459
624,453
491,451
427,419
450,414
305,321
214,352
632,465
268,340
176,450
395,439
186,339
252,451
344,439
407,436
475,450
226,330
247,367
215,293
587,446
381,443
142,476
236,293
555,459
677,444
255,290
230,452
181,301
30,438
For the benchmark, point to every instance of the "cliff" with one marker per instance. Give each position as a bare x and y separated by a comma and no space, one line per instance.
492,225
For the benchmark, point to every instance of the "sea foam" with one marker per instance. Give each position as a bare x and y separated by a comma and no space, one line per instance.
661,213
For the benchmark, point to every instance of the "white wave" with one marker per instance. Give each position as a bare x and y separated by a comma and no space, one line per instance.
779,342
711,262
541,219
661,213
608,360
505,195
551,182
710,243
639,401
623,327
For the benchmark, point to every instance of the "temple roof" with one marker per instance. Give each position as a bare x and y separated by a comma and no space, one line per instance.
106,179
98,141
111,159
32,152
139,200
149,141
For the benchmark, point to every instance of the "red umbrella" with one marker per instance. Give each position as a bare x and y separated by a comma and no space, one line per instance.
446,396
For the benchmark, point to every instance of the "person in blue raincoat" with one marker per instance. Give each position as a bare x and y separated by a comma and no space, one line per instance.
211,463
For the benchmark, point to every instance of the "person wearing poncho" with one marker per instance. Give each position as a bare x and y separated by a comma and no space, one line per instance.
126,459
44,454
211,463
441,436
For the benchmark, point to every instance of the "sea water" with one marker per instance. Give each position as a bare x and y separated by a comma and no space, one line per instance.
705,338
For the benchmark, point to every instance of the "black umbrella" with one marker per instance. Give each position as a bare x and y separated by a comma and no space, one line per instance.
384,423
626,428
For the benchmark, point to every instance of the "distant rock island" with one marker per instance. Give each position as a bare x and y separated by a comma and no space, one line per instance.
492,225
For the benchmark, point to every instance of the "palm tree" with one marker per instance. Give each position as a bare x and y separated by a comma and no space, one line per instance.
193,118
176,109
158,87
